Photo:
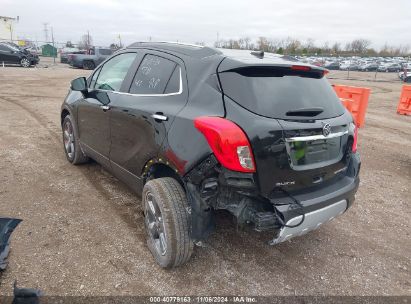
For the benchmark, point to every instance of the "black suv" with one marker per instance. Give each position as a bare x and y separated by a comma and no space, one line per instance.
195,130
12,54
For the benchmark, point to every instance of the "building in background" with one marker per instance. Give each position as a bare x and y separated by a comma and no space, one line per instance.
48,50
7,27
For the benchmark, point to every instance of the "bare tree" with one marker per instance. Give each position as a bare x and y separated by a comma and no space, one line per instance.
309,46
360,46
292,46
263,44
336,48
86,42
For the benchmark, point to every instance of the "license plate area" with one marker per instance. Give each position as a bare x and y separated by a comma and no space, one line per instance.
310,154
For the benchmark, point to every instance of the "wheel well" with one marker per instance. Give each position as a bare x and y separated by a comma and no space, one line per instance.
64,113
162,170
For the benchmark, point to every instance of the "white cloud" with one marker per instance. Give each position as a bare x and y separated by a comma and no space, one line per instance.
193,21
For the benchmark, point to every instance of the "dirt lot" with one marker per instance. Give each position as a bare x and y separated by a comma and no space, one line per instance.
82,232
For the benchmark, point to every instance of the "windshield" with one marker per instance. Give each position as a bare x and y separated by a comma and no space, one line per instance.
282,95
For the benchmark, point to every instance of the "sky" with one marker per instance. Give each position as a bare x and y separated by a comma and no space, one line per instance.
380,21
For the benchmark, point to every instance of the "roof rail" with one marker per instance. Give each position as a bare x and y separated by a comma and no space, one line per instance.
169,42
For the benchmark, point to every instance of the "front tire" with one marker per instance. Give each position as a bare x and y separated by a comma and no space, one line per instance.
167,222
25,62
71,144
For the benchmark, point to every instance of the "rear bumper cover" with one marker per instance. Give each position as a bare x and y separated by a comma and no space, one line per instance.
319,206
312,221
344,189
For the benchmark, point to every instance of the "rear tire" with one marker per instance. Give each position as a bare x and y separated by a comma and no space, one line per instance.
88,65
167,222
71,143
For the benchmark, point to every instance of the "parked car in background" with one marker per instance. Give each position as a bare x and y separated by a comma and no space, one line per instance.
89,61
349,66
332,65
367,67
64,55
11,54
389,67
194,130
35,51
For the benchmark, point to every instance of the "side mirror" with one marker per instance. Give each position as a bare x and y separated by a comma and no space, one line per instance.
79,84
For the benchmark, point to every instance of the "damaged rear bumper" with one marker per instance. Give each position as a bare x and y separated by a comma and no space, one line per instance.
318,207
312,221
285,214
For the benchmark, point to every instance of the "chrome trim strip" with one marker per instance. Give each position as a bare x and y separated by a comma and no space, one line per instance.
316,137
180,91
159,117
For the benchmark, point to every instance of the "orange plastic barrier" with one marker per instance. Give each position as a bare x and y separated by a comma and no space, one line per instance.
355,99
404,106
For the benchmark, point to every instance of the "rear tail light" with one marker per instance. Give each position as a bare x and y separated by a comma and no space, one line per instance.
228,142
354,143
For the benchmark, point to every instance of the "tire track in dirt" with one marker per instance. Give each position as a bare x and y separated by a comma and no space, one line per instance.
92,175
35,116
29,96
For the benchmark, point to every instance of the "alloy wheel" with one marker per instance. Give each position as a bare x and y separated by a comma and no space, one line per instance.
154,224
68,137
25,62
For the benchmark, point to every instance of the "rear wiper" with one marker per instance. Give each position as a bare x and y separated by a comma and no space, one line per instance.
305,112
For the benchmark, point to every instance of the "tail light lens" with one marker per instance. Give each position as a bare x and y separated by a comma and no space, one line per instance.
354,143
300,68
228,142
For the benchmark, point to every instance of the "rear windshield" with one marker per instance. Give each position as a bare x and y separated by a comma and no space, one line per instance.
274,93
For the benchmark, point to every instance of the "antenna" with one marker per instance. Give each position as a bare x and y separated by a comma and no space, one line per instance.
258,54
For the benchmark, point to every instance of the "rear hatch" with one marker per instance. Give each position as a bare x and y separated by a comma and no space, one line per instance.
297,127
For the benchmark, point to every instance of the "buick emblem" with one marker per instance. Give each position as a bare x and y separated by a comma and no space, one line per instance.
326,130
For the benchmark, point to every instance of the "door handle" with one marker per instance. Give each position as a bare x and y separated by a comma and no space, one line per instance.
159,117
105,107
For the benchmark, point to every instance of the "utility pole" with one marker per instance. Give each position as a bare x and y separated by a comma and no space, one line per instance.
54,48
46,32
88,42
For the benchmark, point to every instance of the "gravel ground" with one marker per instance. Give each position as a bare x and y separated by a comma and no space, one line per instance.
82,232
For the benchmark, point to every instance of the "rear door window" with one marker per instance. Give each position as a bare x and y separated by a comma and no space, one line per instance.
4,48
273,93
153,75
173,85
